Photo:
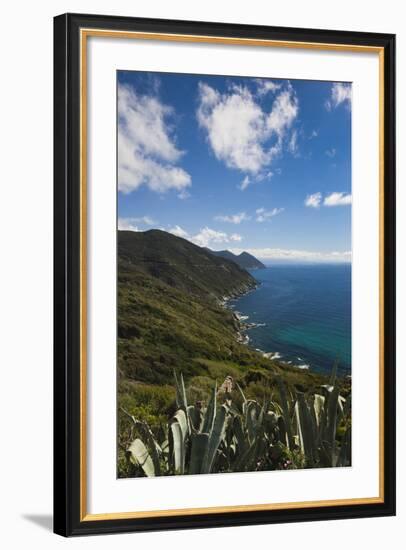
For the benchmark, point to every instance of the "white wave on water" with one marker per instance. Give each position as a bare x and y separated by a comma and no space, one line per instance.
303,367
272,355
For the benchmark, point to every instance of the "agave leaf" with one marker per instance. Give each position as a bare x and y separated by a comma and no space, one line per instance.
210,413
181,399
270,422
306,430
200,443
180,416
183,392
333,374
239,435
177,448
286,412
318,406
215,437
344,457
241,392
195,417
329,436
244,460
347,406
139,455
178,432
251,420
283,436
153,445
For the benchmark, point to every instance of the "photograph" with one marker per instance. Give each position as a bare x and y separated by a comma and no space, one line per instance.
234,243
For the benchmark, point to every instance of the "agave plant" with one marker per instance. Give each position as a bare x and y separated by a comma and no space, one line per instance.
291,432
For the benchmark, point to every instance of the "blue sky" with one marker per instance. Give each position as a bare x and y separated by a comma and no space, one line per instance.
262,165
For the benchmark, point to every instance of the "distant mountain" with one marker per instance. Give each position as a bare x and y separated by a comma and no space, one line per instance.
181,264
244,260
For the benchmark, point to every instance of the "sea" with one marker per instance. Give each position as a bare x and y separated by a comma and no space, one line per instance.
301,314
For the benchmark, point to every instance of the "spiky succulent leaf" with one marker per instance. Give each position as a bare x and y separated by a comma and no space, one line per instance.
139,455
286,412
199,449
210,412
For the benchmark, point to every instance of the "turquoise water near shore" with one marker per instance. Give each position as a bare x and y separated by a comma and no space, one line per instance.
303,313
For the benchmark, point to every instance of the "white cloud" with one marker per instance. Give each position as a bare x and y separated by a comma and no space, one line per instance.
235,237
263,215
340,94
265,86
292,145
179,232
234,218
130,224
334,199
313,200
245,183
295,255
331,153
147,152
126,224
313,134
240,133
338,199
206,236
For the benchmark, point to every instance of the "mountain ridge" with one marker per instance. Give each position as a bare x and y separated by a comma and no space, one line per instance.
181,264
244,259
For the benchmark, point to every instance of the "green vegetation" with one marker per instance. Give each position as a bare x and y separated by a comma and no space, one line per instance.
235,434
171,318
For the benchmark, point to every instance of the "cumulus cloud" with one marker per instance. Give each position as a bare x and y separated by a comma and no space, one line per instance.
147,151
179,232
234,218
240,133
265,86
126,224
296,255
206,236
263,215
334,199
130,224
340,94
338,199
313,200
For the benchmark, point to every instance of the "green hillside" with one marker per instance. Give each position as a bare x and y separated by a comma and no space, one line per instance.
180,264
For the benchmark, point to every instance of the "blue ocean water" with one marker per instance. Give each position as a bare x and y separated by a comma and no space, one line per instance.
304,313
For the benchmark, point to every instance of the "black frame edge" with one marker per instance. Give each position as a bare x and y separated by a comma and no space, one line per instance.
61,435
66,277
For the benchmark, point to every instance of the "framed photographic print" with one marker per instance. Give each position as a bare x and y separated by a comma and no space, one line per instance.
224,274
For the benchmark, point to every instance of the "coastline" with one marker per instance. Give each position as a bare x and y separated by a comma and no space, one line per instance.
243,327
